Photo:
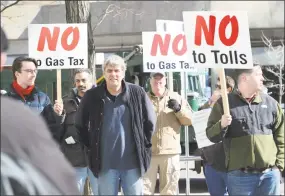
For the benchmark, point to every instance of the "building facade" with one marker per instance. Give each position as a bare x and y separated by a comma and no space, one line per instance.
118,27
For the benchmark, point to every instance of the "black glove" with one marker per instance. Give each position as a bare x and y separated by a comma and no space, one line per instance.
173,104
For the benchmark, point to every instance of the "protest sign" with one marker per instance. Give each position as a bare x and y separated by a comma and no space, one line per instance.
218,39
211,40
165,51
59,46
170,26
199,124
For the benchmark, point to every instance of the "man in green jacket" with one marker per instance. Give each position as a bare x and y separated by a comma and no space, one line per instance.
252,134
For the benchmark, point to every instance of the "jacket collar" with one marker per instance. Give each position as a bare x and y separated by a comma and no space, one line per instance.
257,99
72,94
151,94
124,93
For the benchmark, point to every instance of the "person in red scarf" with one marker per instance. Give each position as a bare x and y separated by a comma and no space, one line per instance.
23,89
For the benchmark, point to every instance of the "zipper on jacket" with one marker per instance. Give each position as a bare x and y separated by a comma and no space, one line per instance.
159,143
141,156
253,145
99,135
253,137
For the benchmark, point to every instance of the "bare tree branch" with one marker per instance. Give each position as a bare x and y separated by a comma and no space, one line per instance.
10,5
109,10
276,54
275,86
115,11
273,72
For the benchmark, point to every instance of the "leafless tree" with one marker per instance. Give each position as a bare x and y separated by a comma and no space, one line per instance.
276,54
79,12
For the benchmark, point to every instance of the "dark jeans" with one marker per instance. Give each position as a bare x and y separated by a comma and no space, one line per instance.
216,181
241,183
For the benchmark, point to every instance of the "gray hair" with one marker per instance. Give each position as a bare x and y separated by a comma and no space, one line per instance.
114,61
82,70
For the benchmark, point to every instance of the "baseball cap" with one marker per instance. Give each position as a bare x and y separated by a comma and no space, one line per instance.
153,74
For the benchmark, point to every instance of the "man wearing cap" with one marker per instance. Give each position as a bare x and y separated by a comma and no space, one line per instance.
172,111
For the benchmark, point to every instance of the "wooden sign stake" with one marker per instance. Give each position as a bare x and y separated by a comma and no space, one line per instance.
224,91
58,85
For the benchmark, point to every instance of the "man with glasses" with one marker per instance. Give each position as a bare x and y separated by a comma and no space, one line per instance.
23,88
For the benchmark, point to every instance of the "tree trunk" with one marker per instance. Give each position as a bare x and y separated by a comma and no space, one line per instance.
79,12
281,84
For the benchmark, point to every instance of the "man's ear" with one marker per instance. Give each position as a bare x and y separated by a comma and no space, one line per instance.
16,74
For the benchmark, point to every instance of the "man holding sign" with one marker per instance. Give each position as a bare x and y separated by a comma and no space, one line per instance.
73,150
253,135
23,89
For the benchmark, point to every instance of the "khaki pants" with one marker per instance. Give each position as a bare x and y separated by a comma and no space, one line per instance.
169,173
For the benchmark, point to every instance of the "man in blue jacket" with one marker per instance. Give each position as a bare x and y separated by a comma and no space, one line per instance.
23,89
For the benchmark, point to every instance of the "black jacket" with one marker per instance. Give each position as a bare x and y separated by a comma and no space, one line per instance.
75,153
89,120
40,103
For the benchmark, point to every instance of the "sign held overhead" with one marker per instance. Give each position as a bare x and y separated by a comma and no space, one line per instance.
59,46
165,51
211,40
218,39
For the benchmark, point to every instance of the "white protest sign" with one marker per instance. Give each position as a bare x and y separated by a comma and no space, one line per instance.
214,40
218,39
170,26
177,27
165,51
200,119
59,46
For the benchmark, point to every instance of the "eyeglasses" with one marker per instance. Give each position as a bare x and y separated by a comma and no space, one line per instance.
31,71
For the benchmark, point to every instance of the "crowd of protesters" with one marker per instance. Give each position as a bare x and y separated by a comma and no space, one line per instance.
117,134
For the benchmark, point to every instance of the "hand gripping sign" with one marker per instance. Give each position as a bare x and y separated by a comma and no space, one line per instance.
59,46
